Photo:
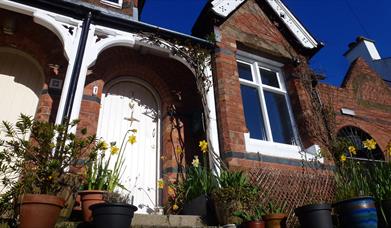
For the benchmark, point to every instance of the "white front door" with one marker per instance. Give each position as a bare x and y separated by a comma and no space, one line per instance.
129,105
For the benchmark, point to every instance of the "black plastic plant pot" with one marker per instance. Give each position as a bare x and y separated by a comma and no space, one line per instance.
357,212
315,215
384,213
201,206
113,215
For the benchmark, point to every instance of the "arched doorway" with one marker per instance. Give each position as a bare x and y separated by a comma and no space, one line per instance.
353,136
128,103
21,82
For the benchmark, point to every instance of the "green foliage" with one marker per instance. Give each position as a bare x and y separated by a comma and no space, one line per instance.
117,197
381,180
232,179
42,154
352,180
255,215
272,208
199,181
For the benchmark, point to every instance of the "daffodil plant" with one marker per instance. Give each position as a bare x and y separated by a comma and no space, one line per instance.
198,180
355,178
100,175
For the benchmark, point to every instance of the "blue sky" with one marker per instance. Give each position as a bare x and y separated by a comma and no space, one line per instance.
335,22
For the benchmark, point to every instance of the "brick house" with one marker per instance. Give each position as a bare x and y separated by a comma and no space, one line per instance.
95,61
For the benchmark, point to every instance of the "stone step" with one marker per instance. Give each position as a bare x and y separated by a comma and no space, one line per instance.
152,221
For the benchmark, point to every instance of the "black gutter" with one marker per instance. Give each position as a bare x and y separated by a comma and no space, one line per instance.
76,69
78,10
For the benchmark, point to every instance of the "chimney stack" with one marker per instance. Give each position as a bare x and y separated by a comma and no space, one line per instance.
364,48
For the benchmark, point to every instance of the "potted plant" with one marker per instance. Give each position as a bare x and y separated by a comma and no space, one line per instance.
199,182
102,175
380,178
315,215
274,216
35,165
252,219
356,207
115,212
234,193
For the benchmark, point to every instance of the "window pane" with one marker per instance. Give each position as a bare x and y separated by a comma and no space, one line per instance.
253,113
279,118
114,1
245,71
269,78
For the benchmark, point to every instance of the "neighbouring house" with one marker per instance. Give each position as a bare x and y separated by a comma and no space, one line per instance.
363,102
258,102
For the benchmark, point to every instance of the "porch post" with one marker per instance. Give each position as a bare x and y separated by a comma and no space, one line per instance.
212,130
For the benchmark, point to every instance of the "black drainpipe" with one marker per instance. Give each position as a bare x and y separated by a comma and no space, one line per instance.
66,115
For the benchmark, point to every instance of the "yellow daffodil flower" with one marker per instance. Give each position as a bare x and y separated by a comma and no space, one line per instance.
114,150
195,162
132,139
388,148
175,207
160,183
203,146
369,144
103,145
178,150
342,158
171,191
352,150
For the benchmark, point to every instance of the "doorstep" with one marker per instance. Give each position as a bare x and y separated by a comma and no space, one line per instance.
156,221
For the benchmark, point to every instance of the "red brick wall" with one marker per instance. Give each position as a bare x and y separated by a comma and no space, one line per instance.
368,95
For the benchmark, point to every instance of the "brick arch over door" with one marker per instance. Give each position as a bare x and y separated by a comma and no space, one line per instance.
21,82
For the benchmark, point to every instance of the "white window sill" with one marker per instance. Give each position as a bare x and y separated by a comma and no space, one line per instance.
278,149
112,4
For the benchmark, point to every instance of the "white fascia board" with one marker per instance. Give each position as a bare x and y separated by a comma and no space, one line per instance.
225,7
293,24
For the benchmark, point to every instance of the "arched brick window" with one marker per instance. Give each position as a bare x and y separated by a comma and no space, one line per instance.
353,136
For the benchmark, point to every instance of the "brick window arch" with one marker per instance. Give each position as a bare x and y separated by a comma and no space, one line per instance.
354,136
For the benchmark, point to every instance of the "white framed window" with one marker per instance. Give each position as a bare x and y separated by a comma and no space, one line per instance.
268,114
113,3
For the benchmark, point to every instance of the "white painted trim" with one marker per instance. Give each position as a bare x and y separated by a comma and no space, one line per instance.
157,98
49,20
113,4
116,38
51,24
225,7
302,35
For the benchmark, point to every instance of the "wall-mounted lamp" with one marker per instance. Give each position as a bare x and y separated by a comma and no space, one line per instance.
9,26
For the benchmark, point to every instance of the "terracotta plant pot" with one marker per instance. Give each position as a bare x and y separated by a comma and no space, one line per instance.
275,220
39,211
254,224
89,198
